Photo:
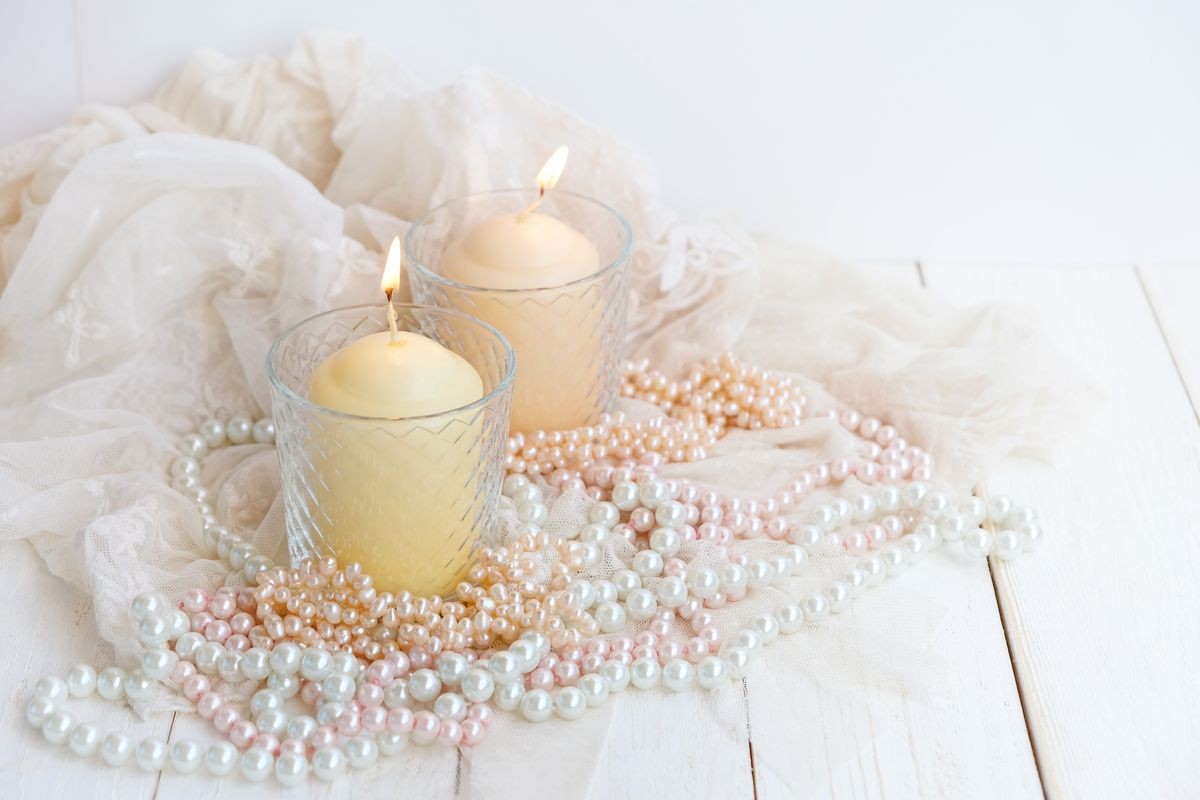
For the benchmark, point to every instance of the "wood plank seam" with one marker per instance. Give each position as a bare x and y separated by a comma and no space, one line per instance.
749,738
1167,341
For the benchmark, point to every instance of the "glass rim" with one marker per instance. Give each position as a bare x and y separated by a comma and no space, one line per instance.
415,263
292,395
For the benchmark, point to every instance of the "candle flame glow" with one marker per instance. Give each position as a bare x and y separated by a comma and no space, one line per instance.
549,174
391,272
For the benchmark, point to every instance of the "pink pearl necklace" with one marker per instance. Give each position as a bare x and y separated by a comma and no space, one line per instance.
377,670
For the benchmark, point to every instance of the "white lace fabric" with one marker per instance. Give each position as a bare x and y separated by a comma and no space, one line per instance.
148,256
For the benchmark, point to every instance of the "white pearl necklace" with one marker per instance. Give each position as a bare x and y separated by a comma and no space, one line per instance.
364,711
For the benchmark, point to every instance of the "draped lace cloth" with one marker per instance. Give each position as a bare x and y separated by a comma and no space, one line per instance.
149,255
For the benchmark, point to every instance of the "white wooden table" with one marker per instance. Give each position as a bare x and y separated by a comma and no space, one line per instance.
1070,672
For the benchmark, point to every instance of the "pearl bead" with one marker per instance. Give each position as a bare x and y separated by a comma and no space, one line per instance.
606,514
914,494
977,543
138,687
391,743
264,431
766,626
712,672
894,560
111,684
616,674
186,645
151,754
526,653
815,607
39,710
999,508
315,663
789,617
116,749
285,658
396,695
213,432
537,705
759,574
888,499
81,680
873,570
809,537
338,687
610,617
839,595
626,581
255,664
737,659
450,705
53,688
594,689
271,721
569,703
734,578
648,563
533,513
672,592
508,696
477,685
186,755
653,493
640,604
645,673
678,675
329,763
193,446
256,764
424,685
84,740
451,668
935,504
221,758
286,685
1008,545
362,751
156,665
1031,536
625,496
238,429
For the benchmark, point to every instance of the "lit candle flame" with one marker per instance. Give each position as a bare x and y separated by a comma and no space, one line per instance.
547,178
391,282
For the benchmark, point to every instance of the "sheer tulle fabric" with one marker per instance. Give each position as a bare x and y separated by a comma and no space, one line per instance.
149,255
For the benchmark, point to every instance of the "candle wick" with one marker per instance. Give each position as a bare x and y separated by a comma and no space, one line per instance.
534,205
391,317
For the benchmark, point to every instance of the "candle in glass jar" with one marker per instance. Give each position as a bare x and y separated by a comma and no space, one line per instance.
554,337
384,509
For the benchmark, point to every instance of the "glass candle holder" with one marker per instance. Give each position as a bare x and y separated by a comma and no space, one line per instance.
568,338
407,498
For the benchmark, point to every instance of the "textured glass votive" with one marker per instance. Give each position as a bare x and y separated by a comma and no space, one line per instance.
407,498
568,338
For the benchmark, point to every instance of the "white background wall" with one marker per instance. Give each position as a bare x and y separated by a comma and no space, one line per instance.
1060,130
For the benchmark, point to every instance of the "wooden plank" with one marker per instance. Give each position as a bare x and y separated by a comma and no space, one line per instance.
1103,623
48,628
868,705
1174,292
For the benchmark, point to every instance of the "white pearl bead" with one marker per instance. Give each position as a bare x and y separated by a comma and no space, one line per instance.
873,570
653,493
508,696
156,663
116,749
673,592
477,685
842,508
748,639
712,672
974,509
339,687
606,591
533,513
193,446
139,687
53,688
863,507
537,705
255,664
228,667
213,432
1031,536
451,667
977,543
797,556
737,659
625,496
790,618
329,763
569,702
39,710
670,514
256,764
759,574
185,465
767,627
856,580
291,768
1020,515
264,431
84,740
591,532
594,688
734,578
914,547
894,560
151,754
823,517
362,751
605,514
999,508
1008,545
450,706
839,595
110,683
512,484
703,582
221,758
815,607
678,675
255,565
329,711
888,499
285,658
781,569
648,563
424,684
665,541
645,673
396,695
186,754
391,743
315,664
640,605
935,504
914,494
239,429
526,493
153,630
206,657
808,536
346,664
301,727
616,675
626,580
505,666
271,720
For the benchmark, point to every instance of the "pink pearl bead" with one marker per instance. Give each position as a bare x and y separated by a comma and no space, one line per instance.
323,736
194,600
540,678
295,746
922,474
710,634
660,628
451,733
217,631
370,694
855,543
237,643
200,619
241,622
426,727
625,531
399,662
349,723
624,658
380,672
208,705
182,671
400,720
310,693
223,605
592,662
754,528
597,646
645,639
374,719
567,673
718,600
875,534
473,732
243,733
695,649
644,651
622,644
710,514
669,651
839,470
268,742
195,686
226,717
642,520
419,658
675,567
550,661
777,528
708,532
689,607
480,712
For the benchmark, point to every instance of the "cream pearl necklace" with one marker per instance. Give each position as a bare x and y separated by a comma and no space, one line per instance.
376,671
